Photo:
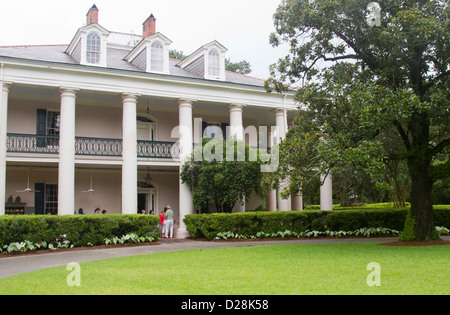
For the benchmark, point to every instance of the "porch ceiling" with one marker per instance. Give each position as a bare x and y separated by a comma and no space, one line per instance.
264,115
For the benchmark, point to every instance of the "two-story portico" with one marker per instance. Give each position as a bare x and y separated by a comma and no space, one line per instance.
95,124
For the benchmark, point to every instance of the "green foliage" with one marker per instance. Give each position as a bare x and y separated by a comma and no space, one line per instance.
408,233
221,180
251,223
242,67
367,232
371,95
78,230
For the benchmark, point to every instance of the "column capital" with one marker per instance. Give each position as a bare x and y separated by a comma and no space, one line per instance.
278,110
71,90
186,101
236,106
129,96
6,86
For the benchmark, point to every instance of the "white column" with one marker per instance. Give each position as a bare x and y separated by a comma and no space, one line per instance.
237,130
326,193
3,136
297,202
271,199
280,120
66,170
129,154
186,205
280,123
236,124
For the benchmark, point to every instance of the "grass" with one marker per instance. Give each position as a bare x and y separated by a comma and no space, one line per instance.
274,270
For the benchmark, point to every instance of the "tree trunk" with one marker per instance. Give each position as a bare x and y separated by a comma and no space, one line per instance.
422,205
421,182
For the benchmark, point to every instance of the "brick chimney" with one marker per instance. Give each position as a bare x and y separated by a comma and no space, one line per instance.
92,15
149,26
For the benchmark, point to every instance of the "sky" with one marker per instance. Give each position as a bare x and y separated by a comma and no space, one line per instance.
242,26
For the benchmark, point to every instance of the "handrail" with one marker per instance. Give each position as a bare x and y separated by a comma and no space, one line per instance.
89,146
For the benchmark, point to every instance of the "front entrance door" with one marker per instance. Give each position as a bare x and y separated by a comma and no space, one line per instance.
142,203
147,201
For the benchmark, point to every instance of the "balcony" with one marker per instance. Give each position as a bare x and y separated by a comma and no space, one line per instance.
24,143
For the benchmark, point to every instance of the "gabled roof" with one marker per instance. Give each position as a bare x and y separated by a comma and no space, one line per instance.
136,50
199,52
85,29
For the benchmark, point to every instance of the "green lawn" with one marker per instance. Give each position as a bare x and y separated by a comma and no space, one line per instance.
276,269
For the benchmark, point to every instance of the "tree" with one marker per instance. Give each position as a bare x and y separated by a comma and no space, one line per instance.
221,177
242,67
176,54
371,75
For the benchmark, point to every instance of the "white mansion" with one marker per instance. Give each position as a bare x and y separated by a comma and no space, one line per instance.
91,124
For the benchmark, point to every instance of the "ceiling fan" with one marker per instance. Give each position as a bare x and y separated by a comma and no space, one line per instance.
28,189
91,189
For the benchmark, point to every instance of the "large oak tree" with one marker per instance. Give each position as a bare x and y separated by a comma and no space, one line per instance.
374,87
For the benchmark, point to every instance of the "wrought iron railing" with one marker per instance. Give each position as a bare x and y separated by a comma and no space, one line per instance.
32,143
159,149
98,146
25,143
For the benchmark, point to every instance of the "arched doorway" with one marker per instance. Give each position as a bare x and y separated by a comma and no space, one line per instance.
147,195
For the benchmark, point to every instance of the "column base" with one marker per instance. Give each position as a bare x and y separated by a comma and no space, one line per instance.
181,233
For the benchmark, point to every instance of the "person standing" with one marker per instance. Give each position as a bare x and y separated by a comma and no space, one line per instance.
161,222
169,221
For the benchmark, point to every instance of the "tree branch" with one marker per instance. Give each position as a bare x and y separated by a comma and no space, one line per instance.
402,134
430,84
440,146
325,58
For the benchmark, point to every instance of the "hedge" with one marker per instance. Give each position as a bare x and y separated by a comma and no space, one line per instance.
80,230
250,223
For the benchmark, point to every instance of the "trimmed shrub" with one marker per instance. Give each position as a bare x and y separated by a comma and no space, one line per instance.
408,233
80,230
250,223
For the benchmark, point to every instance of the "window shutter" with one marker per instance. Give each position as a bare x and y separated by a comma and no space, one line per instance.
41,124
39,198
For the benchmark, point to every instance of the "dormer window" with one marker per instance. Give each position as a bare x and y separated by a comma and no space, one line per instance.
207,62
151,54
157,57
88,47
93,48
213,63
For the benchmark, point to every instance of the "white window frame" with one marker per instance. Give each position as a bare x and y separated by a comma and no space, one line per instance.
157,57
93,48
214,63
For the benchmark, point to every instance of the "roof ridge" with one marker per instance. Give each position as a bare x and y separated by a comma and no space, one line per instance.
51,45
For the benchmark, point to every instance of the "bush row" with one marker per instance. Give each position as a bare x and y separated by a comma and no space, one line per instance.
250,223
79,230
